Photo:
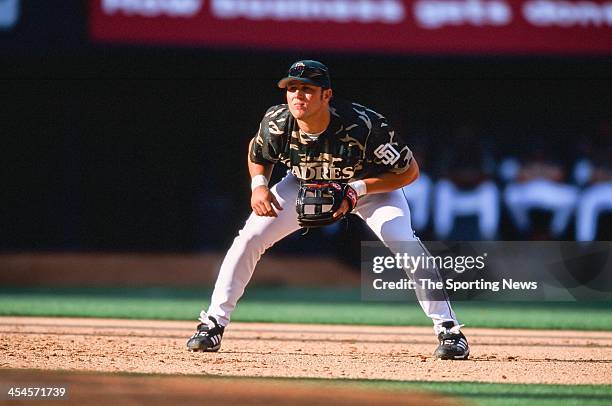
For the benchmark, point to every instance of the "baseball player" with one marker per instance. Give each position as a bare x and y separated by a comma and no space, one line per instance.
320,138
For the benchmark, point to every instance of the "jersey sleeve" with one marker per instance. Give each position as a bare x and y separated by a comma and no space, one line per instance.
268,141
386,151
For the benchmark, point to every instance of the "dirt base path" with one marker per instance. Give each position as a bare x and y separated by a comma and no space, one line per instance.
309,351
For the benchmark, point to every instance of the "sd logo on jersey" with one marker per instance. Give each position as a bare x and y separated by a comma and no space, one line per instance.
387,154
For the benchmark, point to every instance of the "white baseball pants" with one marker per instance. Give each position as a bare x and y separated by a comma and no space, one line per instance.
418,194
387,214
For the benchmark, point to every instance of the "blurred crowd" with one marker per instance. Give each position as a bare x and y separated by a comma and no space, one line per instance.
540,187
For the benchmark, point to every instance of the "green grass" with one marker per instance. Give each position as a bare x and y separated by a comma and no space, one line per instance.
470,393
475,393
296,306
507,394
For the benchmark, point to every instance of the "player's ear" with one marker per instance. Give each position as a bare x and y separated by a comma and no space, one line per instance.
326,94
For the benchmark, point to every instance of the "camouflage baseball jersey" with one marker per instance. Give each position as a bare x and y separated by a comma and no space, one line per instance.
358,143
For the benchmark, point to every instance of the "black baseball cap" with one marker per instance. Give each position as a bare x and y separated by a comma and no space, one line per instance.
308,71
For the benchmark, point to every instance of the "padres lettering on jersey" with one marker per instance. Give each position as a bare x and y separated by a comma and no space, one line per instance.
358,143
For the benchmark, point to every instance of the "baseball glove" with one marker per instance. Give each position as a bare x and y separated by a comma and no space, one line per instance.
317,201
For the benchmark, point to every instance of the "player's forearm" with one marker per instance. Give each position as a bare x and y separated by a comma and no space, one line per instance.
390,181
259,169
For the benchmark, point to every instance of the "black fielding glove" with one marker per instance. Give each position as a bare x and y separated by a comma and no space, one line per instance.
317,202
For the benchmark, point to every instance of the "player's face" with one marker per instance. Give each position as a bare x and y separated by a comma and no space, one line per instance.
306,101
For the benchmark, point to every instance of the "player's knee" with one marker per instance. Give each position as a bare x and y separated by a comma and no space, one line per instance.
250,242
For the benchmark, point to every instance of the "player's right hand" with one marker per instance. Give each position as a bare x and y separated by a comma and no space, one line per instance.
263,202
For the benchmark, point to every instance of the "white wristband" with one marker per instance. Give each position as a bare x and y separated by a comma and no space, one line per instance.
360,187
258,180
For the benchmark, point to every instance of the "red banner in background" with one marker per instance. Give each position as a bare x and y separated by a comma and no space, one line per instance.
393,26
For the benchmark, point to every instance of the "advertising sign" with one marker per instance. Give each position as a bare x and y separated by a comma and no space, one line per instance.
378,26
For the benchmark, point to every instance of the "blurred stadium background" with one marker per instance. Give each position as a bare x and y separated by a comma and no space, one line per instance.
125,122
124,129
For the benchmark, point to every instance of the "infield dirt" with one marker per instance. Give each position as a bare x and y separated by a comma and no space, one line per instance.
304,351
